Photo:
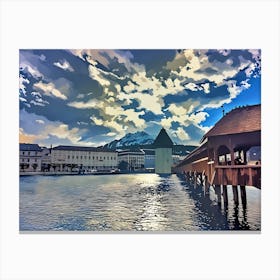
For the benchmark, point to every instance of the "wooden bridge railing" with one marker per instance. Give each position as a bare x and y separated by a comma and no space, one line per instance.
244,175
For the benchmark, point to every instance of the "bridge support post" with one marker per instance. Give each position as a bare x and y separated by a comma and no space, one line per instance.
243,195
225,194
195,179
218,192
186,177
235,194
206,185
201,179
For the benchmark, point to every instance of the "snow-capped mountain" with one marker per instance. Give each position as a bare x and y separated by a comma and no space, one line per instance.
131,139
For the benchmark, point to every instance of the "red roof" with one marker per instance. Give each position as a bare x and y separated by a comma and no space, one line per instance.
239,120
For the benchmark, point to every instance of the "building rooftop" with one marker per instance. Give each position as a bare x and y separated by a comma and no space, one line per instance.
163,140
29,147
149,152
239,120
131,151
81,148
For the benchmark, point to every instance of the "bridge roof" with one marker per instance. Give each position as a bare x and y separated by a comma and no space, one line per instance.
239,120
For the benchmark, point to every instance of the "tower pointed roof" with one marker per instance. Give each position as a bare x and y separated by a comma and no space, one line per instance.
163,140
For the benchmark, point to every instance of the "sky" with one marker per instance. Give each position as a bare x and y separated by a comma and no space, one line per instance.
91,97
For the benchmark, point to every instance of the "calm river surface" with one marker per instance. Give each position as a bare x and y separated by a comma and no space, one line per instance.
132,202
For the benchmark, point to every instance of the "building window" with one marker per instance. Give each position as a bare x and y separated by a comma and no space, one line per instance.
28,153
28,160
22,160
81,157
35,159
92,157
68,157
23,153
77,157
72,157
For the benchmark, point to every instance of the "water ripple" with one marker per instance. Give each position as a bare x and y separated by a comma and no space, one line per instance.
142,202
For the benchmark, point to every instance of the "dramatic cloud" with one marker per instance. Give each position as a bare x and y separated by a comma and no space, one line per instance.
49,89
95,96
64,65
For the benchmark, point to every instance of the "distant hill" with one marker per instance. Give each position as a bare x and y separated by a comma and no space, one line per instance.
143,140
131,139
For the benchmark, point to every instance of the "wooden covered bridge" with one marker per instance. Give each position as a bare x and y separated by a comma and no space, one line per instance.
229,154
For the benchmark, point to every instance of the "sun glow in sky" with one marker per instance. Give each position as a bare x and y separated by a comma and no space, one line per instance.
91,97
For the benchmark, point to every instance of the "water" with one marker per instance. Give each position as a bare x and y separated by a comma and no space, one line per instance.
141,202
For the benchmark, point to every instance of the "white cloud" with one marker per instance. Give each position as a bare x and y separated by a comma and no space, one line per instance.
42,57
192,86
206,87
111,134
97,121
182,134
177,110
96,75
40,121
49,89
37,103
148,102
22,82
197,118
198,63
84,105
80,96
65,65
224,52
22,99
34,93
132,116
62,131
166,122
28,62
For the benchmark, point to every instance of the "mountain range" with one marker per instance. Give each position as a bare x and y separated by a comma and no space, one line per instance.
131,139
144,141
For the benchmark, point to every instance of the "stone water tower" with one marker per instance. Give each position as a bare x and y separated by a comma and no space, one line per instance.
163,147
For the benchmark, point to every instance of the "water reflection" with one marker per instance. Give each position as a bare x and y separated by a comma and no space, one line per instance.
143,202
225,216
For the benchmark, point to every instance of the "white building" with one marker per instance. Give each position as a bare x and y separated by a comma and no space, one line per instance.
29,157
163,146
46,159
131,159
67,158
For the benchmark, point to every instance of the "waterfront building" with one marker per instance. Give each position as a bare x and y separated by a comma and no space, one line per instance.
73,158
149,161
46,158
131,159
163,155
29,157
